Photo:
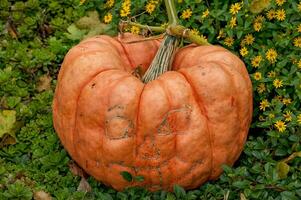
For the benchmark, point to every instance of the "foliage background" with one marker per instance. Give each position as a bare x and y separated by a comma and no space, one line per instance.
35,36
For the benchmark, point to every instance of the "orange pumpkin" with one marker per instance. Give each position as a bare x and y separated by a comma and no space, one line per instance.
177,129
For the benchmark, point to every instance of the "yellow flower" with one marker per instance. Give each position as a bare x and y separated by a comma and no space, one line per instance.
299,64
271,14
233,22
249,39
195,31
280,15
126,8
286,101
277,83
81,2
264,104
257,26
259,19
235,8
257,76
297,42
271,74
271,116
205,14
271,55
261,88
164,25
299,118
135,29
108,18
261,118
229,41
280,2
280,125
203,37
299,28
221,34
150,7
110,3
299,6
186,14
278,97
287,116
243,51
256,61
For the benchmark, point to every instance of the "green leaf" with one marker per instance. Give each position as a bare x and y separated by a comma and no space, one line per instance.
7,122
179,191
139,178
170,196
282,169
126,176
75,33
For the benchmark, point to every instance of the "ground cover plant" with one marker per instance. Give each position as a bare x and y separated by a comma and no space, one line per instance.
35,36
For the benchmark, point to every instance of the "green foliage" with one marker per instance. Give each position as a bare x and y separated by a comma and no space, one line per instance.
34,37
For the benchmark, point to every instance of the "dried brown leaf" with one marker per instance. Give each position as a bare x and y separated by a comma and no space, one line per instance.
84,186
44,83
41,195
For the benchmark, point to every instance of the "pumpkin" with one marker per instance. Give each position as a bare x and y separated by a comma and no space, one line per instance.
177,129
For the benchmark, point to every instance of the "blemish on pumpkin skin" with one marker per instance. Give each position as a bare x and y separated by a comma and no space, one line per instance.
82,48
175,121
119,127
232,101
115,107
93,85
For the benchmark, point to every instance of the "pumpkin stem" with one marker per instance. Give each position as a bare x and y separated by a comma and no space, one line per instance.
163,58
165,54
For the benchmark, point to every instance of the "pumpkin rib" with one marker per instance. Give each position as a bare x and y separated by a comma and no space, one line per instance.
110,40
167,96
235,83
77,103
223,66
121,78
241,70
178,63
203,111
243,125
215,164
125,53
137,126
69,65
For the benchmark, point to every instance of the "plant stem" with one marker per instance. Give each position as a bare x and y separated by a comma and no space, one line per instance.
157,29
171,12
163,59
181,31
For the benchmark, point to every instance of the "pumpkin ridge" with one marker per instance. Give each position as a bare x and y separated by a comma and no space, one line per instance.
137,125
77,103
191,49
203,111
240,139
166,92
244,74
63,69
224,67
125,53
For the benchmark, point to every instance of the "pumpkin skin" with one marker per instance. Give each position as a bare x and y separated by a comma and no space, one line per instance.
177,129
